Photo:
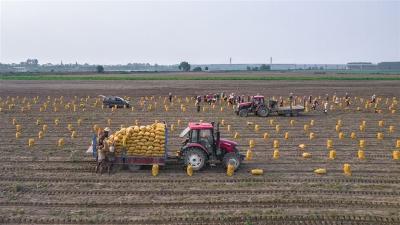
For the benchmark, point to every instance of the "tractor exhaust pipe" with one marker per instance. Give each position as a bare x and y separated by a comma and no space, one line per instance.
218,134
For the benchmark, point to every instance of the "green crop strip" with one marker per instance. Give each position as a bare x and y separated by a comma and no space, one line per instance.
267,78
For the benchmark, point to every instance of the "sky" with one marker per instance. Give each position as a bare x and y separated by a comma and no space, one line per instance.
200,32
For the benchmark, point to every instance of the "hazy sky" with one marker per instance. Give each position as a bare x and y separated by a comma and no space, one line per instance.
167,32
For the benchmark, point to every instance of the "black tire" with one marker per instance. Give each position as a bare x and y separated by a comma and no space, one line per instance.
232,158
263,112
195,157
133,167
116,167
243,113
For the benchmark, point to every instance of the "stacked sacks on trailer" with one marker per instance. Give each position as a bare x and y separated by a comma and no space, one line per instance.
148,141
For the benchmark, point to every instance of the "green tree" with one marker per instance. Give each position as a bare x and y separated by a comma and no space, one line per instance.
184,66
100,69
264,67
197,69
206,68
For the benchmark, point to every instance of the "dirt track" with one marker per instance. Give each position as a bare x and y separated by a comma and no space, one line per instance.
143,88
48,184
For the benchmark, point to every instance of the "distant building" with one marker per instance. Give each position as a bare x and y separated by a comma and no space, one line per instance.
389,66
361,66
20,69
283,66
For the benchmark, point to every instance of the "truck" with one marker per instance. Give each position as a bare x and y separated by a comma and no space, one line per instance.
202,146
258,106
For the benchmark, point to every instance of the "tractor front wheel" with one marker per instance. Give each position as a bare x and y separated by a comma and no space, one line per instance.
243,112
231,158
196,158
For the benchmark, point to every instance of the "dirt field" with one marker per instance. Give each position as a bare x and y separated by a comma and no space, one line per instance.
47,184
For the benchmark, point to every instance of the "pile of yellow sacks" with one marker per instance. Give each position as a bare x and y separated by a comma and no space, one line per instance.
140,140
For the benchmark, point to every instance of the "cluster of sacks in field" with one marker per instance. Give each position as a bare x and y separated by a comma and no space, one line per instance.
140,140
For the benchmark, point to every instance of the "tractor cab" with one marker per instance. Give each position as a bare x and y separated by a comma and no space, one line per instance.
201,133
257,100
203,144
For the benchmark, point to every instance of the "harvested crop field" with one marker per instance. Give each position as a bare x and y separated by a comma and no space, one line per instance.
51,184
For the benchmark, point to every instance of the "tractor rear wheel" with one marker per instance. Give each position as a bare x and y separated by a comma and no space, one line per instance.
231,158
263,112
243,112
196,158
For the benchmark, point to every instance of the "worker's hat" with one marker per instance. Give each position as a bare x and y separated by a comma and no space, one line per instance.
107,129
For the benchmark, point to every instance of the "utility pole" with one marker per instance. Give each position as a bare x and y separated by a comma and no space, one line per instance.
230,60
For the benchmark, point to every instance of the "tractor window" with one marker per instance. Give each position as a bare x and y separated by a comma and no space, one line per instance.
193,136
206,135
206,139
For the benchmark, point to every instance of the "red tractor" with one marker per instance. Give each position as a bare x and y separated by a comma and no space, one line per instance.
256,106
203,145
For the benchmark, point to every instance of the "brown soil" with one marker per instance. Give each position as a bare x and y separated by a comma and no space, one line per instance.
50,184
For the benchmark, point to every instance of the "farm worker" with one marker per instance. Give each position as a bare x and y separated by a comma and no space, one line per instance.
110,156
310,99
103,136
347,100
327,97
304,101
198,105
315,104
326,107
280,102
101,153
336,100
231,99
170,97
144,106
290,102
373,98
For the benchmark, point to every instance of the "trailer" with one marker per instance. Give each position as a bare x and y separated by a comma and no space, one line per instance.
288,111
134,162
